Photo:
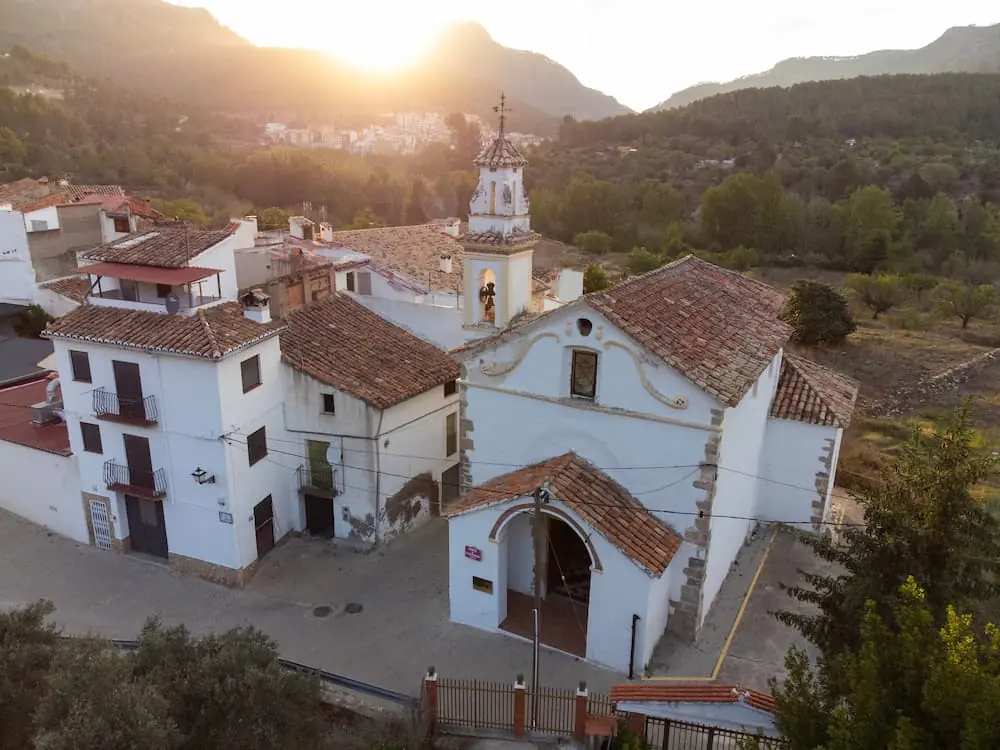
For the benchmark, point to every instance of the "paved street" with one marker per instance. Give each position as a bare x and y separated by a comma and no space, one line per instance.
401,629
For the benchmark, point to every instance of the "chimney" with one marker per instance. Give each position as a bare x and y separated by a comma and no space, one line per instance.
326,231
6,206
445,264
256,306
452,227
43,180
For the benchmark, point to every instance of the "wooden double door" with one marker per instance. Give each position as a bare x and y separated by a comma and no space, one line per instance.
147,529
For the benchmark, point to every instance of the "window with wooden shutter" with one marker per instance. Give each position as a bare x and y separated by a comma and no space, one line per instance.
365,283
257,445
80,362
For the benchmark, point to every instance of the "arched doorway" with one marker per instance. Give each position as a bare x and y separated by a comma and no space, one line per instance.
565,568
487,296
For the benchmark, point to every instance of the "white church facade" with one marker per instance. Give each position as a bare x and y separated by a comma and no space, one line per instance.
662,421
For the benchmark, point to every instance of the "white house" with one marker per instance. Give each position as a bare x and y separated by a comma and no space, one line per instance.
374,411
663,402
158,370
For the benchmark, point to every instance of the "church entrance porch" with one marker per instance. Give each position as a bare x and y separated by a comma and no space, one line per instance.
565,569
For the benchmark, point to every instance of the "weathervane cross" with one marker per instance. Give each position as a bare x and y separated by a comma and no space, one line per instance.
503,109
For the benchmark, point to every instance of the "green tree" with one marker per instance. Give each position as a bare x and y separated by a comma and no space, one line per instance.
365,219
416,212
919,283
588,203
966,301
27,647
878,293
594,278
913,683
871,222
273,218
641,260
31,322
183,209
12,150
818,314
92,701
229,691
921,519
594,242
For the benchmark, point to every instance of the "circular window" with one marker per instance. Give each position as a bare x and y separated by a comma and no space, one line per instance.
584,326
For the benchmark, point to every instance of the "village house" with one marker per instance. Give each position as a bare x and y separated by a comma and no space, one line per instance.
43,224
182,422
375,413
658,422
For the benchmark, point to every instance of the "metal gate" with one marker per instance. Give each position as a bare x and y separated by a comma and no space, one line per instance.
100,520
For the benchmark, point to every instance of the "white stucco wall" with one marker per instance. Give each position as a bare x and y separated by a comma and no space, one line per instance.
222,257
487,209
737,483
49,215
441,326
54,304
43,488
623,430
197,401
620,591
512,276
17,274
412,443
794,454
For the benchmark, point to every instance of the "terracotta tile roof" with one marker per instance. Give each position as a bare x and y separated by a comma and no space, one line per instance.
716,327
497,242
76,288
500,153
210,333
26,192
79,192
166,245
603,503
658,692
412,252
808,392
38,204
16,425
345,345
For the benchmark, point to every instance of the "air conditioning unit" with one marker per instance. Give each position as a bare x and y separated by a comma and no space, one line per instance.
46,413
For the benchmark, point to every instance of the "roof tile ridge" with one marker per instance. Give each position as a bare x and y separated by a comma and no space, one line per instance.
793,362
207,327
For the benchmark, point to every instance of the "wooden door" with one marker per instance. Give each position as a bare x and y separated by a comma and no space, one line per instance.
319,516
450,486
146,526
128,386
263,521
139,461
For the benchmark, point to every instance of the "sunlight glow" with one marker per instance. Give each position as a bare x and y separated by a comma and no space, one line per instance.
375,45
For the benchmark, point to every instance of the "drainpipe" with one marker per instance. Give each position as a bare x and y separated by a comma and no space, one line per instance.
378,471
631,655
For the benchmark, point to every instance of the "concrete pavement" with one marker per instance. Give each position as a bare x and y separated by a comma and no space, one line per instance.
300,598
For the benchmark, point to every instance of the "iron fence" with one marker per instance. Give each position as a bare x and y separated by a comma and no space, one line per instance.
670,734
471,703
317,478
556,709
141,482
108,405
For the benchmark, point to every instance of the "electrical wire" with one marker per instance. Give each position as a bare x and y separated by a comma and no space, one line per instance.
639,511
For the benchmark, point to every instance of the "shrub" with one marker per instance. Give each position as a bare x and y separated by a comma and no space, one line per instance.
31,322
594,278
818,314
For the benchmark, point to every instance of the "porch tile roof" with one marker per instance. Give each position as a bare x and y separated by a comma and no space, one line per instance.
76,288
808,392
345,345
653,692
598,499
15,419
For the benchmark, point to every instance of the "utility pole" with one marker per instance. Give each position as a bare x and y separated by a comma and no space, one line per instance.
539,538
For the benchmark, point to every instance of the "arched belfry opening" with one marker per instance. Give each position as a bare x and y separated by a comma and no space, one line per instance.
487,296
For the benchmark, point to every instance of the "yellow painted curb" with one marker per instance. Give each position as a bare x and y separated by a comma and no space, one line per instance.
732,631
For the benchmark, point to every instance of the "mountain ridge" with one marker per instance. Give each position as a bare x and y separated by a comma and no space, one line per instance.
960,49
186,54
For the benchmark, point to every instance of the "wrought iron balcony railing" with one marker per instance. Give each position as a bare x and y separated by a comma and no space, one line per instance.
141,411
133,481
321,478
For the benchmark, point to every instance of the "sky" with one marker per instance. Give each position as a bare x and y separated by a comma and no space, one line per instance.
639,51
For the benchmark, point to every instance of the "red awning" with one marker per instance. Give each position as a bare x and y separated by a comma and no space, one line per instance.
150,274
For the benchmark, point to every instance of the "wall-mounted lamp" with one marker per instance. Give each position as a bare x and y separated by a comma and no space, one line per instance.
203,477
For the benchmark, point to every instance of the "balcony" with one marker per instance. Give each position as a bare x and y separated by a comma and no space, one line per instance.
151,485
135,411
318,480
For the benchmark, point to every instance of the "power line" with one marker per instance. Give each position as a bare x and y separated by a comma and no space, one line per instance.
507,495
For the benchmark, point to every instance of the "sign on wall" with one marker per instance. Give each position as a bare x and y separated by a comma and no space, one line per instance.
473,553
225,517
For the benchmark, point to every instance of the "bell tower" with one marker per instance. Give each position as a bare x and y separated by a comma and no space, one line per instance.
499,244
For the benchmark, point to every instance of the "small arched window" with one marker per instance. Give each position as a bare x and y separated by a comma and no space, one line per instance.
584,326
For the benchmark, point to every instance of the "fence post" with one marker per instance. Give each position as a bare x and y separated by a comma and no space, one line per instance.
580,713
637,724
431,699
519,707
